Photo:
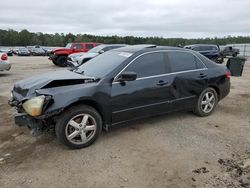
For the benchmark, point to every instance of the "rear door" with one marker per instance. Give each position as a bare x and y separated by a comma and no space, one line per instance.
188,78
149,94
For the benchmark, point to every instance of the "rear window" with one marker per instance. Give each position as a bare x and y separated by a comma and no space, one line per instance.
183,61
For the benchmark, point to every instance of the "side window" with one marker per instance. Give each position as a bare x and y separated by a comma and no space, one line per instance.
197,48
148,65
89,46
77,46
183,61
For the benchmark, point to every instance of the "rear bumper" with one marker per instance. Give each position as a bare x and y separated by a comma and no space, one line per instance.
225,89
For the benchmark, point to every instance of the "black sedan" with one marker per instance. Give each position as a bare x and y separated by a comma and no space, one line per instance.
116,87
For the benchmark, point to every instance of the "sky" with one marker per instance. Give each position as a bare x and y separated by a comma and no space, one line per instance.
162,18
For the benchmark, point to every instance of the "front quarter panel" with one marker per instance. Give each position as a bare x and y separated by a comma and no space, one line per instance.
65,96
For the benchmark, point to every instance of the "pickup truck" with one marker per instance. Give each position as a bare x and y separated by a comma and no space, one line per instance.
59,55
229,51
211,51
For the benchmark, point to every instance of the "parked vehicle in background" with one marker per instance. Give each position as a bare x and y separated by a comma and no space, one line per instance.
59,56
48,50
229,51
77,59
37,52
119,86
8,51
15,51
4,63
211,51
23,52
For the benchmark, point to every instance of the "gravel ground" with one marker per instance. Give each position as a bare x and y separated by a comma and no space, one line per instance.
175,150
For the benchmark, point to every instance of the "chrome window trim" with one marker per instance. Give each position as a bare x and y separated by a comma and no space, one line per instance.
159,75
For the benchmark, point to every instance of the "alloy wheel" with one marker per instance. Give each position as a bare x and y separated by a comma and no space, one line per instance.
80,129
208,102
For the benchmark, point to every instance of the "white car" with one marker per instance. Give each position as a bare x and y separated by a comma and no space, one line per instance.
4,63
77,59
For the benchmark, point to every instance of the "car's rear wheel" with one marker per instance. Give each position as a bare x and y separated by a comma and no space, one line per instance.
61,61
79,126
206,103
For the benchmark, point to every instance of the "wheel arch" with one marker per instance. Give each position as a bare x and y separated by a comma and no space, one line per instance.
216,88
90,103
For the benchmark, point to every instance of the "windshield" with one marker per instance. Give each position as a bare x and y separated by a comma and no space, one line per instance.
96,49
68,45
103,64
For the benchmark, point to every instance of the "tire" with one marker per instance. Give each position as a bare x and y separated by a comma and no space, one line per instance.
54,62
203,101
79,126
62,61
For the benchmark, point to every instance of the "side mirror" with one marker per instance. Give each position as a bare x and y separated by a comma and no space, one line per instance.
127,76
101,51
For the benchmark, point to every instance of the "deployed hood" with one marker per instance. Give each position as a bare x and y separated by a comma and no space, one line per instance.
49,80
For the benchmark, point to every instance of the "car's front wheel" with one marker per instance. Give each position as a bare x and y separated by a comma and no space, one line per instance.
206,103
79,126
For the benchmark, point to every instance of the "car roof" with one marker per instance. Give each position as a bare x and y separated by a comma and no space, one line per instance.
105,45
201,45
145,48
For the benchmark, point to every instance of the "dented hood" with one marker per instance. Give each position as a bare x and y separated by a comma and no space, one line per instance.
30,85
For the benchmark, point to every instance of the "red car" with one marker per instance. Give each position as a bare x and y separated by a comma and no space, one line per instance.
59,55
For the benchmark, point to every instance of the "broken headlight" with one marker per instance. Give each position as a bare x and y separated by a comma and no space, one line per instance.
34,106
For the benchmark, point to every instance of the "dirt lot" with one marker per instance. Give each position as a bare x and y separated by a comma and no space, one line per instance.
176,150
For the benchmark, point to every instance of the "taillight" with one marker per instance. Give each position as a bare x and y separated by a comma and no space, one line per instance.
228,74
4,57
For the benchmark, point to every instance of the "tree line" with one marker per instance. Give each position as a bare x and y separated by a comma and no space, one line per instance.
25,38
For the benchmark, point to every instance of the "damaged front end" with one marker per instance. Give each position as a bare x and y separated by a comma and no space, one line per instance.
30,112
38,100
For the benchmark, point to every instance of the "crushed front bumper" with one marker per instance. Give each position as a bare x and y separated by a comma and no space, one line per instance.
25,120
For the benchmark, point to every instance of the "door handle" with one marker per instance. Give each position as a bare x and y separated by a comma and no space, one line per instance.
202,75
162,83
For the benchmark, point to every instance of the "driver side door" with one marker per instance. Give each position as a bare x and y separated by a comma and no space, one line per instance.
148,95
